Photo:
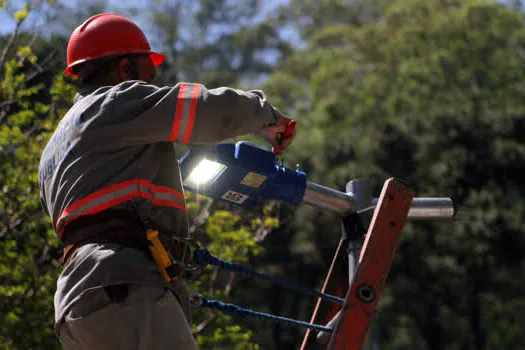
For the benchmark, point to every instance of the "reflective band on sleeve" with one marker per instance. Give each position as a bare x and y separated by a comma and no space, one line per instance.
117,194
178,111
185,112
193,109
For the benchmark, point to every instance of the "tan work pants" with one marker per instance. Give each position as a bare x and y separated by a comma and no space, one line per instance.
146,318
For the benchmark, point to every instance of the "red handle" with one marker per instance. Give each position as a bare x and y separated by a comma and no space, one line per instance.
287,132
289,128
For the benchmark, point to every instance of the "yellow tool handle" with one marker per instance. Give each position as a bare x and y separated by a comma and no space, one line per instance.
159,253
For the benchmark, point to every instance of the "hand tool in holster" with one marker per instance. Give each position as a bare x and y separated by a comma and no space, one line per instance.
170,268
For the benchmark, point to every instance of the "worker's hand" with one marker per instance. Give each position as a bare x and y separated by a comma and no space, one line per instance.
276,136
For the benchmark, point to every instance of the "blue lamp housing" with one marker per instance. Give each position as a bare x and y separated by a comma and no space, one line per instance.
240,173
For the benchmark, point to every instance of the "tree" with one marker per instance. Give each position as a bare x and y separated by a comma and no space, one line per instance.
28,247
216,42
431,94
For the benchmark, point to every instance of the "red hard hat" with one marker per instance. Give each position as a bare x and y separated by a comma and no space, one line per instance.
107,34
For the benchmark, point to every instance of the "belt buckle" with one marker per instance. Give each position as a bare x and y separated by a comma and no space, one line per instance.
192,271
162,250
186,260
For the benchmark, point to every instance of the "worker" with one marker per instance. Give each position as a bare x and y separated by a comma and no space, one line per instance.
110,172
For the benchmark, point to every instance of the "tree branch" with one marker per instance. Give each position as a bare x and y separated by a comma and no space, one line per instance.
10,43
201,218
204,323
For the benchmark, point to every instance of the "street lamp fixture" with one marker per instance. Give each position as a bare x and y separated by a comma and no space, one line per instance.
246,175
241,174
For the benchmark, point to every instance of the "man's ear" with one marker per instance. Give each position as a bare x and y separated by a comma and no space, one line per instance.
124,69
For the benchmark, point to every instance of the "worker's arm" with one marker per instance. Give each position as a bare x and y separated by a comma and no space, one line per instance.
224,112
190,113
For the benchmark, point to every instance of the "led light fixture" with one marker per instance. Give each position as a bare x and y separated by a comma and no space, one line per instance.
240,173
204,173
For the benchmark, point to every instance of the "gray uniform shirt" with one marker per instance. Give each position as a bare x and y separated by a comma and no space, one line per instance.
114,150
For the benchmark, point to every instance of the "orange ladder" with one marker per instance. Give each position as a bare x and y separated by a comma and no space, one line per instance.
376,257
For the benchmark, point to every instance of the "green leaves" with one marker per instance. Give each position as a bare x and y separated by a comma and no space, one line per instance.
21,15
231,237
433,94
28,246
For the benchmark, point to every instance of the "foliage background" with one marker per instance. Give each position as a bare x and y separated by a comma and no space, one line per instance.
431,92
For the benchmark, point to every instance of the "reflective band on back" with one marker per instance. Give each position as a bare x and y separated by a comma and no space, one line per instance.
118,194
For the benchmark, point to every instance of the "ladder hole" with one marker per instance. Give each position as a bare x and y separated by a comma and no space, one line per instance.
366,293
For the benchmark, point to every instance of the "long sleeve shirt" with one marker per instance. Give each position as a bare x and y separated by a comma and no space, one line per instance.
114,150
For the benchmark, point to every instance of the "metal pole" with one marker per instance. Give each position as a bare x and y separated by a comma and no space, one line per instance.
344,203
430,208
360,190
328,198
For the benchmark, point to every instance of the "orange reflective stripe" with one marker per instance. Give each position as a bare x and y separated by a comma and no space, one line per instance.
117,194
177,117
193,109
185,111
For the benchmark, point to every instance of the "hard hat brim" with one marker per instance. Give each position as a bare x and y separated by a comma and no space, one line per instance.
156,57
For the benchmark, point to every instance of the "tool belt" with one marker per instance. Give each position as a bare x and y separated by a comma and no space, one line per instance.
113,227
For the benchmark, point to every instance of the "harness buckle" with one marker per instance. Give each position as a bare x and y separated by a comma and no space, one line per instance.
172,267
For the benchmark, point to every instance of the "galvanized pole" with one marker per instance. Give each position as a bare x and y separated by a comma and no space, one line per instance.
360,191
342,203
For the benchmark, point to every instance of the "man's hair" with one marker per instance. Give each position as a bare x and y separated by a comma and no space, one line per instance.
96,72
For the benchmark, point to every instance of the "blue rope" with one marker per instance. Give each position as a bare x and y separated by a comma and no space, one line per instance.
203,258
214,304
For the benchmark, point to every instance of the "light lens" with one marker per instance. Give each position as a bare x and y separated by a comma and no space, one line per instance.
205,172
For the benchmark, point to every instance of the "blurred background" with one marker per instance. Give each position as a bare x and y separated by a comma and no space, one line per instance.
431,92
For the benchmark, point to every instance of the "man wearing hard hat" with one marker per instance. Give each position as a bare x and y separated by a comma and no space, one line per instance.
110,173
